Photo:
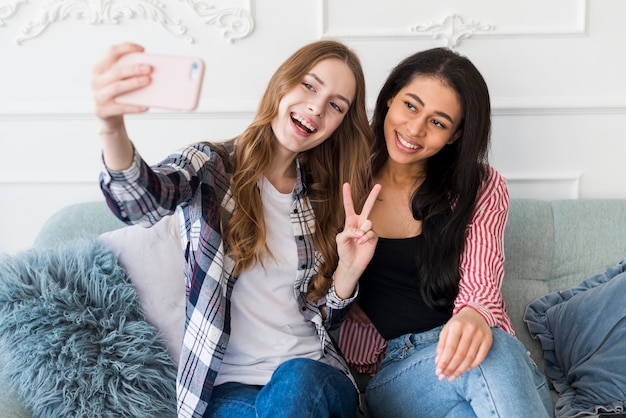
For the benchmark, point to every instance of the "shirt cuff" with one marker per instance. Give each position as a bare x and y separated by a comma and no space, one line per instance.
131,174
335,302
484,312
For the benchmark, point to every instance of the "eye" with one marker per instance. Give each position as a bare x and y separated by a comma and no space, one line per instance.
336,107
438,124
410,106
308,86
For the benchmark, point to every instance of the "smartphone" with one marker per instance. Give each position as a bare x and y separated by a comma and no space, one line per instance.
176,81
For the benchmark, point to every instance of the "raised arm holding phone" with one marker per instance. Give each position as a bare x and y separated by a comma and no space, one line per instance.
267,274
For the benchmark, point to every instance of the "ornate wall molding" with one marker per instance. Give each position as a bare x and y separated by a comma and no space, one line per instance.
448,20
452,29
234,23
8,10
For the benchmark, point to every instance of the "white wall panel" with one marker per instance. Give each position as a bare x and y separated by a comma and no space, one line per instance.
554,70
447,19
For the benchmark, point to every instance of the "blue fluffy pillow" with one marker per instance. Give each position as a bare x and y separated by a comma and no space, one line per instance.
583,331
75,340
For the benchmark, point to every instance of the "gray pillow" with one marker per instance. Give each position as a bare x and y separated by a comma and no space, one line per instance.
78,342
582,332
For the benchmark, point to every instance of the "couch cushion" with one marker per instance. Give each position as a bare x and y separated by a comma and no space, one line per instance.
154,262
79,221
528,250
588,237
529,240
582,331
552,245
78,343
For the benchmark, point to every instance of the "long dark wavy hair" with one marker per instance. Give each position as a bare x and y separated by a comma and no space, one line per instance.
445,201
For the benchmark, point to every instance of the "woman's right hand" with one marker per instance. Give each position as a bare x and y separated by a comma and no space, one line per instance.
355,244
108,81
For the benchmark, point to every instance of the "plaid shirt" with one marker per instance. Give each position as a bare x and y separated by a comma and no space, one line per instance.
195,181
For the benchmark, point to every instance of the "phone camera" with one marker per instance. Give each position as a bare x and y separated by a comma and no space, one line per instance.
195,70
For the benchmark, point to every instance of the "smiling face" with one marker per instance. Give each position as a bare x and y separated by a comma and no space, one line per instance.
311,111
422,118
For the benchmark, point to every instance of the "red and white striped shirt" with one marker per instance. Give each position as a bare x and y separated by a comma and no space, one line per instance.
481,269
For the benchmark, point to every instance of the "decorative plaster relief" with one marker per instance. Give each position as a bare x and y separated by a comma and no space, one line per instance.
234,22
453,29
8,10
530,18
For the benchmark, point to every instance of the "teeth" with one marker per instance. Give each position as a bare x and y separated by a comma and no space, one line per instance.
303,122
405,143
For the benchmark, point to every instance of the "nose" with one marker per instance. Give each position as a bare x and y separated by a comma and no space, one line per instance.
316,106
417,126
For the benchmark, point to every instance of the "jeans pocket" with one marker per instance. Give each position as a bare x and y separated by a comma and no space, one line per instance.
394,355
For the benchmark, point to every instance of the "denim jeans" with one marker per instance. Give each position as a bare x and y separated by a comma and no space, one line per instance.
298,388
507,384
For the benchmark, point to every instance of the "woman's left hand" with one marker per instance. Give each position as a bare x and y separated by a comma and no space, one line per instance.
356,243
463,344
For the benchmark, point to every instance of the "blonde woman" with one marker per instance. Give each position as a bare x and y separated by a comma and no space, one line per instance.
267,274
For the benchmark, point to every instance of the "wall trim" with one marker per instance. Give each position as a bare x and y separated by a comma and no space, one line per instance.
247,108
452,27
36,180
82,110
521,185
549,186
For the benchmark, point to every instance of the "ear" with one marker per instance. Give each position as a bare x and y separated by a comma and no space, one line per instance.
455,136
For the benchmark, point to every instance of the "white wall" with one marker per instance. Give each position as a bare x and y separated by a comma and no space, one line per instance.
554,67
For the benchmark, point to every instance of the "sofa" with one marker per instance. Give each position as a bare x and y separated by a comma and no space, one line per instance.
550,246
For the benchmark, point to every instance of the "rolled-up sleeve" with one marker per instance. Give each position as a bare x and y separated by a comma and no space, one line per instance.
482,260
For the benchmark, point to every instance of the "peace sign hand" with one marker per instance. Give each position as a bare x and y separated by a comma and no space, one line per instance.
355,244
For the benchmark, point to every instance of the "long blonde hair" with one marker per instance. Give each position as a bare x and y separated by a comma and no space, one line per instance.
343,157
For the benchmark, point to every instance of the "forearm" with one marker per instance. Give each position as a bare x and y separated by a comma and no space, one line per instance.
117,149
345,280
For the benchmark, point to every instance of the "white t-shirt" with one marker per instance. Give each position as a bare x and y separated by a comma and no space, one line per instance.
267,327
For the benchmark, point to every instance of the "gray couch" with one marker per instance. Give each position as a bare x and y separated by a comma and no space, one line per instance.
549,246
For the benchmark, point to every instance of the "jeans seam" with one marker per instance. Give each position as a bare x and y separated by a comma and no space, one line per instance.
375,384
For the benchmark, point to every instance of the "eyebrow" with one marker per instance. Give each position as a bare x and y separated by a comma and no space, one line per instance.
339,96
421,102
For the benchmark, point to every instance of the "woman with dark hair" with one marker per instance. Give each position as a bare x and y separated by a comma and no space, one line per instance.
432,288
267,274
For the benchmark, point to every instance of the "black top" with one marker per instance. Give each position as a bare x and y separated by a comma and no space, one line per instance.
389,290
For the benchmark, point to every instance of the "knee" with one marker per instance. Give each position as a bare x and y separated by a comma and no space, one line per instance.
505,344
298,367
307,373
507,356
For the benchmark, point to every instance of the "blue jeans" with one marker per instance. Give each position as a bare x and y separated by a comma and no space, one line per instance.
507,384
298,388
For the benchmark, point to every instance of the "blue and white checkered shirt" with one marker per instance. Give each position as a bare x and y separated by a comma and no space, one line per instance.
195,181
